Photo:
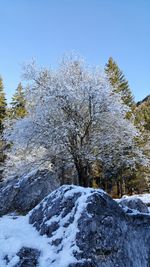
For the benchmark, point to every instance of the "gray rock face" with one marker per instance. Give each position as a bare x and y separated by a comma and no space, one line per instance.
94,228
21,195
133,204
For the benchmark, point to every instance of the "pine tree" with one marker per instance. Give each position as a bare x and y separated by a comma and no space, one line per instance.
142,121
18,103
3,105
118,82
133,179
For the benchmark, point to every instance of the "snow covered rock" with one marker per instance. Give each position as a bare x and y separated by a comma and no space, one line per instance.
25,193
144,197
28,257
133,205
75,227
85,227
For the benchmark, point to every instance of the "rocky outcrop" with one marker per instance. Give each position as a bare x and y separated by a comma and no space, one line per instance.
92,230
28,257
22,195
133,205
76,227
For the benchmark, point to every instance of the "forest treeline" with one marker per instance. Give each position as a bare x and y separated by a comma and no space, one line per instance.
111,166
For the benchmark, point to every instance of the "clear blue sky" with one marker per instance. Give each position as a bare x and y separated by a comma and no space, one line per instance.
97,29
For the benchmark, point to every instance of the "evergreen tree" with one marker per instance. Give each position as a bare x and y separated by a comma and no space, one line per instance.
132,179
142,114
18,103
118,82
3,105
142,121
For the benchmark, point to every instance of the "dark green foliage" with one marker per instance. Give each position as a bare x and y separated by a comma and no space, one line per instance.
3,110
142,114
17,109
3,105
142,121
131,180
118,82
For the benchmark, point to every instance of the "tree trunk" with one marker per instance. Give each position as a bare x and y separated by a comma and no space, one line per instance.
121,187
118,188
83,175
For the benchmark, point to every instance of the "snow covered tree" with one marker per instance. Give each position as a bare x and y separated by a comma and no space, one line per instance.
73,117
118,82
17,109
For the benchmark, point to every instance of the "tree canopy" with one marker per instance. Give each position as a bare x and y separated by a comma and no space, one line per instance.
118,82
72,115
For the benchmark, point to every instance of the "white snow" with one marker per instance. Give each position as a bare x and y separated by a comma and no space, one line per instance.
15,233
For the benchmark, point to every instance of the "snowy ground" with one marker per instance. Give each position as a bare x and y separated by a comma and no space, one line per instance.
15,233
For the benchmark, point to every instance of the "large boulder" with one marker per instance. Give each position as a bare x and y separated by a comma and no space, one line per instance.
23,194
134,204
86,228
